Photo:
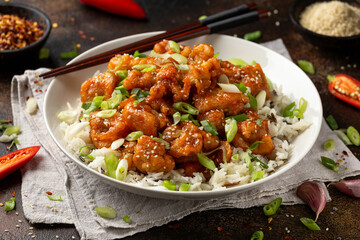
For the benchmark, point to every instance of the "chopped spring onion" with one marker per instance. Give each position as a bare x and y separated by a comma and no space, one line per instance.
330,78
126,219
123,91
254,145
248,162
229,88
13,142
241,87
306,66
31,105
106,212
117,66
117,143
195,122
332,122
158,55
272,207
184,187
235,157
185,107
106,113
287,111
253,36
71,54
252,101
10,205
258,235
134,136
202,17
95,104
231,129
329,163
310,224
260,98
329,144
302,105
12,130
165,143
342,135
139,55
223,79
44,53
179,58
186,117
353,135
139,94
104,105
240,117
238,62
169,185
86,105
271,87
208,127
86,150
67,116
176,117
54,198
174,46
257,175
206,162
122,74
264,165
121,170
258,122
182,67
144,67
216,55
111,163
114,101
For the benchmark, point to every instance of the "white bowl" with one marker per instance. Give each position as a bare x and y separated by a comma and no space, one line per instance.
281,71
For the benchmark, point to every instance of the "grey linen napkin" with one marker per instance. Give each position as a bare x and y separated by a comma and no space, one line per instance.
52,171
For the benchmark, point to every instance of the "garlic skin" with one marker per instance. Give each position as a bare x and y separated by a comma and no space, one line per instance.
313,194
349,187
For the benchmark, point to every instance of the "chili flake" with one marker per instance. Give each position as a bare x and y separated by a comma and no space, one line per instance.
16,32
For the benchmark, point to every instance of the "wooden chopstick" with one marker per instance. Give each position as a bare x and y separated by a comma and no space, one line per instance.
147,44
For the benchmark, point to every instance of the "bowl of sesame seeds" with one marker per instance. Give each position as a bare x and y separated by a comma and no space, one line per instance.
330,24
23,31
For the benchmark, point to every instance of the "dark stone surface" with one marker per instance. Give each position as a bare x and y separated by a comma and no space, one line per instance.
235,223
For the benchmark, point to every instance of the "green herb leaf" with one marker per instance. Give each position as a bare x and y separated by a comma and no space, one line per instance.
239,118
206,162
139,94
264,165
241,87
253,101
208,127
288,112
139,55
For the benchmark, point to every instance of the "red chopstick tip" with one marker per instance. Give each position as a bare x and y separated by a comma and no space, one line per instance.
263,13
252,6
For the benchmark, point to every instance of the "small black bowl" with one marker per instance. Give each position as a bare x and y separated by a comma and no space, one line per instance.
29,13
299,6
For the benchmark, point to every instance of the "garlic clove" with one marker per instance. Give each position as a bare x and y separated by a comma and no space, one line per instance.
313,194
349,187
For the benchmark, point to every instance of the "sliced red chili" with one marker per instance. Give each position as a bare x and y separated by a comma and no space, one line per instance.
15,160
346,88
127,8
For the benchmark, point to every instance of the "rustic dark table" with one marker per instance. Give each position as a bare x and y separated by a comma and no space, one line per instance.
339,219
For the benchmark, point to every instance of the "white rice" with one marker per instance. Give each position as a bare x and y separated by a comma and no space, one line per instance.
283,132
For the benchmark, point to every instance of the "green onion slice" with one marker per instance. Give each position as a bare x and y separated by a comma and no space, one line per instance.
206,162
177,117
139,94
165,143
184,187
264,165
122,74
179,58
329,144
310,224
238,62
134,136
144,67
104,105
169,185
253,101
111,163
54,198
332,122
241,87
306,66
114,101
106,212
253,36
254,145
126,219
208,127
329,163
240,117
231,129
246,157
84,151
258,235
257,175
259,121
353,135
121,170
106,113
272,207
123,91
288,112
139,55
342,135
185,107
12,130
330,78
174,46
71,54
182,67
10,205
44,53
202,17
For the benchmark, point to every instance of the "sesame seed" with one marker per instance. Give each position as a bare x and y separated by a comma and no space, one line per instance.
276,11
19,221
17,213
31,228
277,23
327,229
33,236
6,230
17,226
57,236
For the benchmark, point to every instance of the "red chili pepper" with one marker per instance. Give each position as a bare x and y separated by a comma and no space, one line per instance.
346,89
15,160
127,8
49,193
